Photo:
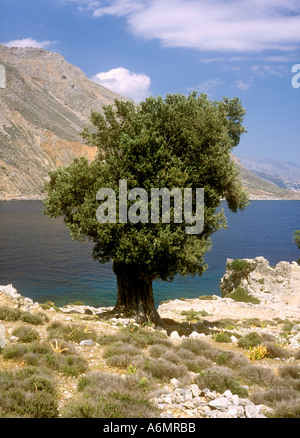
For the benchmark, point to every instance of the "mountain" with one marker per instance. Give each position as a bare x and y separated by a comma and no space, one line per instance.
45,105
282,173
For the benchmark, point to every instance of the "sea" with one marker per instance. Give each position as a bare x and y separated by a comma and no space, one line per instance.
38,257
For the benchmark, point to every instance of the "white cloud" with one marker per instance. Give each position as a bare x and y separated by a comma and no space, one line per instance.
266,70
122,81
207,86
207,25
242,85
28,42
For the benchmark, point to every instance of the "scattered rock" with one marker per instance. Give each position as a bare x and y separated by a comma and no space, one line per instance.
2,336
87,343
194,402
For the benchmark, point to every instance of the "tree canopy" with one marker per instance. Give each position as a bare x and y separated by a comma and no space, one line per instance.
177,142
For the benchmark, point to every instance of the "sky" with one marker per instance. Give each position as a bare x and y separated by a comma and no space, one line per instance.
236,48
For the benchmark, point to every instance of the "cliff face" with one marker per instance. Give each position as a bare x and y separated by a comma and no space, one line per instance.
45,105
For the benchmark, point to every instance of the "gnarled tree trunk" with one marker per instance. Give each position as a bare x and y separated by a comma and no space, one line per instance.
135,294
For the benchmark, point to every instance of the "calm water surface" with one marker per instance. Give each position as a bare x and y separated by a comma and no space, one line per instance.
40,260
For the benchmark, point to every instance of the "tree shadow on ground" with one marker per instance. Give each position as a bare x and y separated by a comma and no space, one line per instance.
185,328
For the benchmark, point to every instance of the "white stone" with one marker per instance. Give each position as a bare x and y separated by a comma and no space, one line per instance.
221,403
235,399
174,336
251,411
195,390
2,336
175,382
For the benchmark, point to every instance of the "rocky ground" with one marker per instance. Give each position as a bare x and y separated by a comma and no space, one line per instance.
205,319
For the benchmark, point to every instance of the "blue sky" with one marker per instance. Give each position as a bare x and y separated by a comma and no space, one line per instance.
244,48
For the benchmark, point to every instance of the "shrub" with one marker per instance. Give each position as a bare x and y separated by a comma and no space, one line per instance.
289,409
241,268
255,374
274,395
220,382
14,351
34,318
292,371
251,340
222,337
26,334
107,339
231,359
164,370
124,360
241,295
70,332
109,396
193,315
274,350
28,393
9,314
65,359
198,364
196,346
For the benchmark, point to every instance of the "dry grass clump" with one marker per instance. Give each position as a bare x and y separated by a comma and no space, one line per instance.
290,371
250,340
56,355
12,314
25,334
218,379
260,375
287,409
274,395
109,396
274,350
70,332
232,360
164,370
28,393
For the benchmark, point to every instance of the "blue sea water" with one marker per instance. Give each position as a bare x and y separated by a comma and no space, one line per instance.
40,260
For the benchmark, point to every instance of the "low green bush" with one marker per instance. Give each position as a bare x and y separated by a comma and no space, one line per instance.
251,340
26,334
220,382
28,393
241,295
104,395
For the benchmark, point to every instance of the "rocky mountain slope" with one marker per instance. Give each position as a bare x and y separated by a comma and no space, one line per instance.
260,188
283,174
44,106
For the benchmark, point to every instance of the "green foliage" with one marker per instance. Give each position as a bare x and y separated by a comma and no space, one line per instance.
251,340
28,393
297,238
11,314
180,141
59,356
222,337
241,268
220,382
70,332
242,296
26,334
109,396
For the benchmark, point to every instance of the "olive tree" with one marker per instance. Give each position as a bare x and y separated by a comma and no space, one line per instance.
180,142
